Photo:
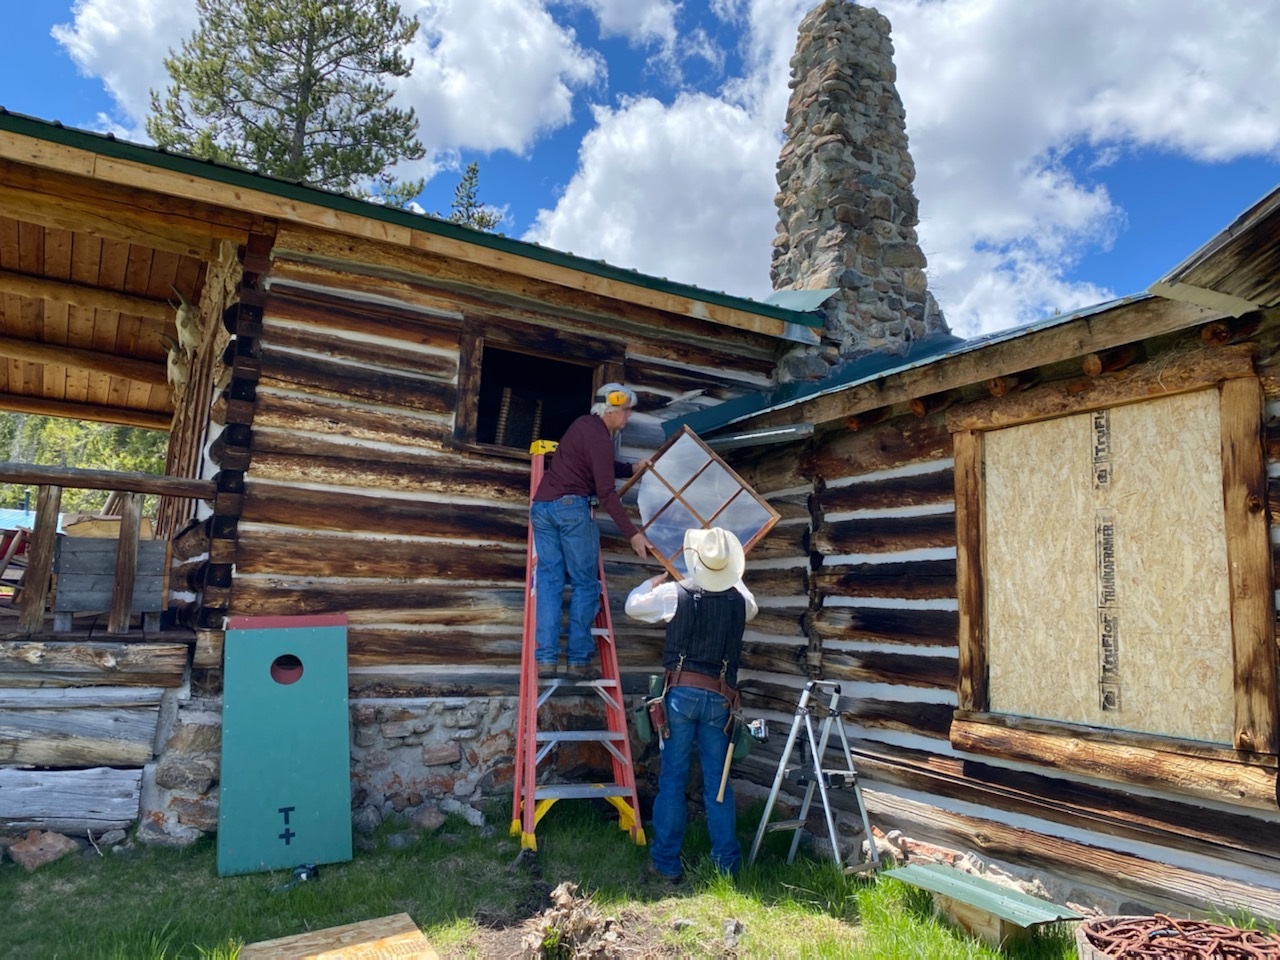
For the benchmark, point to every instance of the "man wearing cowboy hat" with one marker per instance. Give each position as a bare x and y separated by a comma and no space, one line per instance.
706,614
567,539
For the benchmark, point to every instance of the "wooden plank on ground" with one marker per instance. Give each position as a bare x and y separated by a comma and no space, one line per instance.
395,936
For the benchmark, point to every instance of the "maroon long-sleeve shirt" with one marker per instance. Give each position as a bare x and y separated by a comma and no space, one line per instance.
583,466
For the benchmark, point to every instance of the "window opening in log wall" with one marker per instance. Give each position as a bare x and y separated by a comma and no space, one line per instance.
523,398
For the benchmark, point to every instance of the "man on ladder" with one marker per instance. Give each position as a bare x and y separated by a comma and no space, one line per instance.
563,538
565,535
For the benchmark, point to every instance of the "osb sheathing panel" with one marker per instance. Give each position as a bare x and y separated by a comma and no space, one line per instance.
1107,587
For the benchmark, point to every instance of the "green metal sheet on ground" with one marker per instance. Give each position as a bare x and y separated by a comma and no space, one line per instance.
285,795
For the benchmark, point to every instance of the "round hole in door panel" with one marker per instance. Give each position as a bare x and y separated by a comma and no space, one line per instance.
286,669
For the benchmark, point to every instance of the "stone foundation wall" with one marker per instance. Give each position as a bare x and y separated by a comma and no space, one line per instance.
847,211
410,759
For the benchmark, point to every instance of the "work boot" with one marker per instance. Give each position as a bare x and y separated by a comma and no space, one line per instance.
582,672
547,671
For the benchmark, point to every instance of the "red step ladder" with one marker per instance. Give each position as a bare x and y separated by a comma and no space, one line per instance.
532,800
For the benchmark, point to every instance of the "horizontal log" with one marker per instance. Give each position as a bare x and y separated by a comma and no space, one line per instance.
77,479
922,580
624,308
439,603
69,800
1221,781
67,697
77,664
922,719
920,489
83,295
351,306
895,443
885,534
78,737
373,647
898,669
95,412
718,383
775,656
361,556
332,379
772,469
87,361
430,473
1119,812
1169,374
324,343
922,627
784,541
332,510
785,622
1130,877
764,582
320,428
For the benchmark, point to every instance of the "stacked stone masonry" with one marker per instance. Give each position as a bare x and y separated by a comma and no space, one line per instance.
847,212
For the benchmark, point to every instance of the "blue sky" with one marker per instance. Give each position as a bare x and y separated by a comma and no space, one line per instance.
1065,153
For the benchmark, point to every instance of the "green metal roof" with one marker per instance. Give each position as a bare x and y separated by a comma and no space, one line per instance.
109,145
1009,904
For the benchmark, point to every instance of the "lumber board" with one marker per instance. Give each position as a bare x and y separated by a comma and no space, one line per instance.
1244,481
78,736
102,798
386,937
59,698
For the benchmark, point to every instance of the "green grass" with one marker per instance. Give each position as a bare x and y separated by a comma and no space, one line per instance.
457,884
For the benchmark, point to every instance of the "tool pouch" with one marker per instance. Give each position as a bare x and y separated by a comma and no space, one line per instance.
640,721
658,716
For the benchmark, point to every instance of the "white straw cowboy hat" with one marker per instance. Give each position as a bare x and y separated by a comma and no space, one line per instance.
714,558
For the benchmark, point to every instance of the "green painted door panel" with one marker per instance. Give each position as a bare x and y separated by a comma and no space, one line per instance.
285,796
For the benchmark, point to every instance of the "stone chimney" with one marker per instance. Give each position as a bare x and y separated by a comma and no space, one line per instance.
847,213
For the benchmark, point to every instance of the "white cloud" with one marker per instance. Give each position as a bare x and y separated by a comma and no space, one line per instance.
681,191
996,91
640,21
493,74
124,42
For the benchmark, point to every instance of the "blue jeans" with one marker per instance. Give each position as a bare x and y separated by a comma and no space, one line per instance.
568,543
695,716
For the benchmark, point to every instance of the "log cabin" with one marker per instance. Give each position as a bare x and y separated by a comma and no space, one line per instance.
1041,560
350,393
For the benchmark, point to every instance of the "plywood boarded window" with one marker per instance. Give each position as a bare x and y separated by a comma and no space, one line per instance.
1116,604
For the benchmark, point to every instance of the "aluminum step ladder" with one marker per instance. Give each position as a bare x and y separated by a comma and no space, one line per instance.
531,799
813,775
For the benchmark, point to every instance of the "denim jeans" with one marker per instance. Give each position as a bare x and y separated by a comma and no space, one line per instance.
695,716
568,543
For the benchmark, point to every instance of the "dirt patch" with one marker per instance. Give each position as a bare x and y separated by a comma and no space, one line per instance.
574,927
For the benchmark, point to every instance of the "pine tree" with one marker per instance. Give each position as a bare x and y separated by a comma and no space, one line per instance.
296,89
466,208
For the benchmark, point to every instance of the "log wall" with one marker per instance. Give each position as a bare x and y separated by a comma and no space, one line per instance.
349,489
884,616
